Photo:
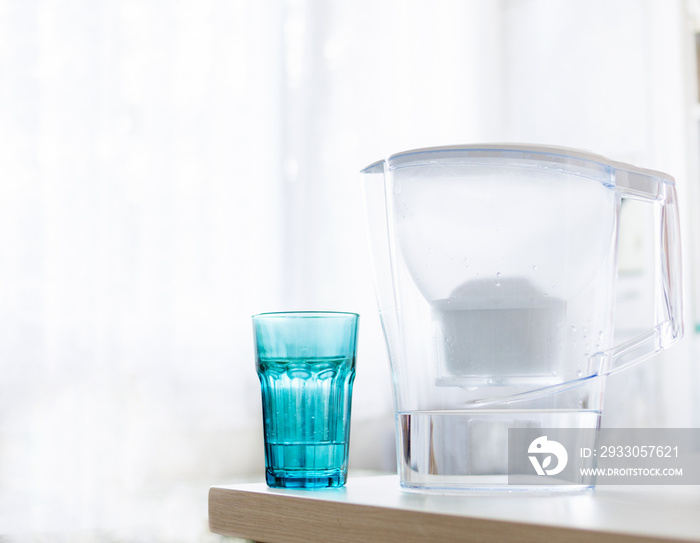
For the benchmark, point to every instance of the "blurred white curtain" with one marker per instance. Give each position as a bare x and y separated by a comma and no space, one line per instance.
168,168
140,220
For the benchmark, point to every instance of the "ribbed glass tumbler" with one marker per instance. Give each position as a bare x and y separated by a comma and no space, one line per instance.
306,365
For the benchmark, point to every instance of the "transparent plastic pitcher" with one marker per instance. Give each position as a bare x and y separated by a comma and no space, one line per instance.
495,270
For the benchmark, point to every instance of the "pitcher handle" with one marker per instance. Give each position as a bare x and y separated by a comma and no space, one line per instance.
668,303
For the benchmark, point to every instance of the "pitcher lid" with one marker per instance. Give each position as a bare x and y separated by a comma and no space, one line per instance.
545,153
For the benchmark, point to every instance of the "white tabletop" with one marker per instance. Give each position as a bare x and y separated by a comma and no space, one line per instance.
375,509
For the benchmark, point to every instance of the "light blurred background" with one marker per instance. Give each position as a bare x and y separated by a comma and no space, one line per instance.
170,167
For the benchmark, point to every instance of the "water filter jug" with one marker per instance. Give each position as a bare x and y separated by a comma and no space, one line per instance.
495,269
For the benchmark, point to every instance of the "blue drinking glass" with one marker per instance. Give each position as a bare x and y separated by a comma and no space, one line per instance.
306,365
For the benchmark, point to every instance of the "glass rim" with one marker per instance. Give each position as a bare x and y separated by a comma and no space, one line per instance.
305,314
